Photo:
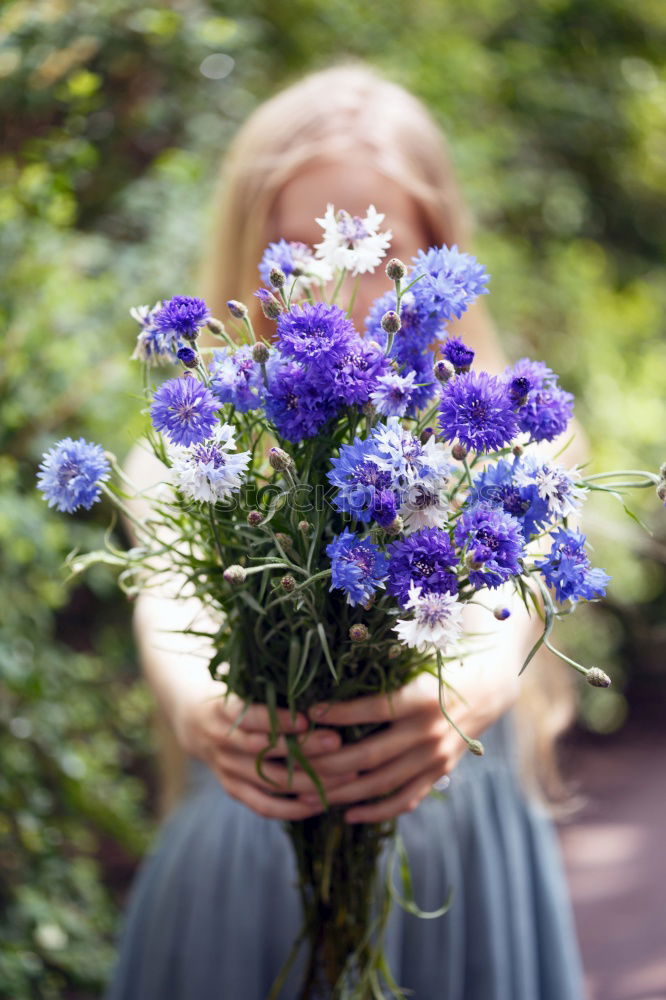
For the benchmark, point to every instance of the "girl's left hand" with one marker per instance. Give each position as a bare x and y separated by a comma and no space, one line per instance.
404,760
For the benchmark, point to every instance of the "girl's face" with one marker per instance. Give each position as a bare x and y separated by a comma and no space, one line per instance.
353,187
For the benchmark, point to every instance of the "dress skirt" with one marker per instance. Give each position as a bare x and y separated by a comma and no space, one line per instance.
214,910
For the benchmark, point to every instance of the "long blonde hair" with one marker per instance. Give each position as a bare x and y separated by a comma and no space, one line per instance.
332,115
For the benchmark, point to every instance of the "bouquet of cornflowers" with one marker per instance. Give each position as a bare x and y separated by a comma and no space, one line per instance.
334,500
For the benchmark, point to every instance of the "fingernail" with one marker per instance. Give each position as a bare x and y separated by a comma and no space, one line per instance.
320,710
330,742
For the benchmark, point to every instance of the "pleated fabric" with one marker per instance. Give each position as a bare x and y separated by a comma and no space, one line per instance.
214,909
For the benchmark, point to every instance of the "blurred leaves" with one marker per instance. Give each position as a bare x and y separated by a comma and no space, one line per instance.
114,116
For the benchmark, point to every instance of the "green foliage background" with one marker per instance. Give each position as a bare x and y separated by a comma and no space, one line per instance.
116,114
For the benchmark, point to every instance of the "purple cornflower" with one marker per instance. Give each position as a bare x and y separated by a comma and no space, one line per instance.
476,409
567,568
451,280
182,315
295,403
361,484
460,355
425,559
315,333
493,542
544,409
185,410
358,566
71,473
352,377
496,486
393,394
236,378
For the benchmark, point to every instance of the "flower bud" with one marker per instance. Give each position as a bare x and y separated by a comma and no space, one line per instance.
277,277
237,309
443,370
304,527
472,562
597,678
234,574
270,306
390,322
216,327
661,491
254,518
476,747
188,357
368,410
394,651
260,352
284,540
426,434
288,583
517,450
459,451
501,613
280,460
367,604
395,269
358,633
396,526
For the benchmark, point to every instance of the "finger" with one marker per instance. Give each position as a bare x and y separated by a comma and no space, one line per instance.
406,799
256,718
269,806
276,777
384,780
313,743
376,750
373,708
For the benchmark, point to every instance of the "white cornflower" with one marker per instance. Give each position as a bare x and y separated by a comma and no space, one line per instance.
436,621
212,470
352,243
308,268
425,504
555,484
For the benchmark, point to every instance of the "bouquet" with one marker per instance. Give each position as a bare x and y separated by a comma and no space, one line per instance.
335,500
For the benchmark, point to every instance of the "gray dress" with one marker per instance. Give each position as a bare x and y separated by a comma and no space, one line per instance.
214,911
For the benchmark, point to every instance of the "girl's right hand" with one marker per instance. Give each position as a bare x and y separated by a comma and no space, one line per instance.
208,728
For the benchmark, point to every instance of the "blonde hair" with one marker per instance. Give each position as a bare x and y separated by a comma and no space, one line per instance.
330,115
334,115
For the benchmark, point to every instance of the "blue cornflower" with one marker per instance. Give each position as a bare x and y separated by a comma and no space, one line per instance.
497,486
493,541
315,333
476,409
547,413
295,403
182,315
296,261
424,559
419,326
459,354
567,568
406,459
412,359
280,255
236,378
70,474
360,482
544,409
451,280
358,566
393,394
185,410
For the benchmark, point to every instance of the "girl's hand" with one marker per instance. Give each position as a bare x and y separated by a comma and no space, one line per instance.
403,761
207,728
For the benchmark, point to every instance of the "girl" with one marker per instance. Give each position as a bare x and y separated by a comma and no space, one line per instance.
214,910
